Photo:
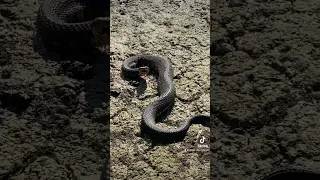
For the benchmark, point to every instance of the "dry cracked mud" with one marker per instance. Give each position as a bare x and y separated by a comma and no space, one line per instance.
264,86
178,31
54,106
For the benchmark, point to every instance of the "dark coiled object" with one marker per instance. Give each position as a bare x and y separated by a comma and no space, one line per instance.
162,69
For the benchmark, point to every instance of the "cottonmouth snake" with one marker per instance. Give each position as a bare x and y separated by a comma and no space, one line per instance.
77,23
163,71
86,22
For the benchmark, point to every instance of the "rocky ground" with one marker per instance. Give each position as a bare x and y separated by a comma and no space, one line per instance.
178,31
54,105
264,86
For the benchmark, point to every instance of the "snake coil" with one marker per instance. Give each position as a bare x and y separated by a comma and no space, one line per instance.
163,71
78,23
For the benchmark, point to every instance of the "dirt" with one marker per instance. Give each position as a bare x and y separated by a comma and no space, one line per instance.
264,86
183,37
53,103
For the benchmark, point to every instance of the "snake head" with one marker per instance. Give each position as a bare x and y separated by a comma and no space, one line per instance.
144,71
100,27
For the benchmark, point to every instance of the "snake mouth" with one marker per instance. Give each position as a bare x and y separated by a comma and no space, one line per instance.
144,71
101,33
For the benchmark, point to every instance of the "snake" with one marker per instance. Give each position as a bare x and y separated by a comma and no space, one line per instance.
135,66
76,23
68,23
87,22
290,173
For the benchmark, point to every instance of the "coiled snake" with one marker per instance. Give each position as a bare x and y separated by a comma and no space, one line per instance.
163,71
74,22
86,22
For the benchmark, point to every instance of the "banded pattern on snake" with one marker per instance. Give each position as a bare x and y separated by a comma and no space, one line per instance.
74,22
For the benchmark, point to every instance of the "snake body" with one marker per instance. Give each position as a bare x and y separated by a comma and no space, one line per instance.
60,21
74,22
163,71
